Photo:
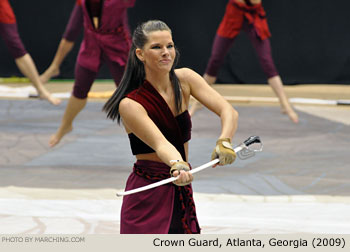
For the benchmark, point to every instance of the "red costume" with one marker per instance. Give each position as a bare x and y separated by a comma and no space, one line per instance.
168,208
235,14
252,19
6,13
9,31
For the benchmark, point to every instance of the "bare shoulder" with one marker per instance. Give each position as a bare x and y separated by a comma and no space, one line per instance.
192,79
130,111
128,106
185,74
187,77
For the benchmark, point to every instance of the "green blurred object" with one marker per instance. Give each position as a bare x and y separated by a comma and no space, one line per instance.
14,79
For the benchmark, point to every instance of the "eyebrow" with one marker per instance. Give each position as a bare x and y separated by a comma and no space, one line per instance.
153,44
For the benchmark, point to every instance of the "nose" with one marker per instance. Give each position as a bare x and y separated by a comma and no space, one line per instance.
165,51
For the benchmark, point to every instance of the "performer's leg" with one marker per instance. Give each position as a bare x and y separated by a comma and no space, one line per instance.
27,67
77,101
219,50
263,49
286,108
23,60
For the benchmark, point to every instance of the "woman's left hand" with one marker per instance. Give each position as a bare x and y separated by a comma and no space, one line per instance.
224,152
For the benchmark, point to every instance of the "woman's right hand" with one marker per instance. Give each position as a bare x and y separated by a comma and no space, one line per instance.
181,169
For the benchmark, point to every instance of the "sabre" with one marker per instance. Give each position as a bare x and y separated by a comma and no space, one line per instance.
242,150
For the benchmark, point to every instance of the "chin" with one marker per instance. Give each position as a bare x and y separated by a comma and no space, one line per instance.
165,68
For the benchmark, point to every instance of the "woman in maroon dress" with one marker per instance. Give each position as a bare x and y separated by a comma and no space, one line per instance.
152,100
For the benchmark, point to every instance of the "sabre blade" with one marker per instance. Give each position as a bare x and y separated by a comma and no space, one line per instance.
242,150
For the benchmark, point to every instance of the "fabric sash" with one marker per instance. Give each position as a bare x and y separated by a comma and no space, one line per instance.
160,113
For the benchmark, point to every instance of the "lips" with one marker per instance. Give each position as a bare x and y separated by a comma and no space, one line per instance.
165,61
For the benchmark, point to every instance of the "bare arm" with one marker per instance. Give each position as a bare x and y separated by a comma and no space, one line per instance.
211,99
137,121
64,48
71,33
73,30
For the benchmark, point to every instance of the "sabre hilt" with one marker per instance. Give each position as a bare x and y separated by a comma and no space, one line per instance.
251,140
247,152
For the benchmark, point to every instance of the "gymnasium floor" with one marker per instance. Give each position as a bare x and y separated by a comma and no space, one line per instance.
299,183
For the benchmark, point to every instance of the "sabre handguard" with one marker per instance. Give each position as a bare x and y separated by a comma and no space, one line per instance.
247,152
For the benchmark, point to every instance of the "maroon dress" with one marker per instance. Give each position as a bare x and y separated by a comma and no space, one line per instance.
111,38
164,209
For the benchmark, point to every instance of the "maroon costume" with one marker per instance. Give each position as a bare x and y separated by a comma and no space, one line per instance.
109,42
111,38
168,208
75,23
252,19
9,31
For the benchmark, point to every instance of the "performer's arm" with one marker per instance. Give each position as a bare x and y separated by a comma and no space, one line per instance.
211,99
137,121
75,23
206,95
71,34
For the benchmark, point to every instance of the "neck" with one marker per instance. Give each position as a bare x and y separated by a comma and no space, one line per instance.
161,82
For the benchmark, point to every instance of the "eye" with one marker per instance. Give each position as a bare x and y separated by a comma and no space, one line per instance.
155,47
170,46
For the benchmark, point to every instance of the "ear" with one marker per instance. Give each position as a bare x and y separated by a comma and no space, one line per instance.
139,54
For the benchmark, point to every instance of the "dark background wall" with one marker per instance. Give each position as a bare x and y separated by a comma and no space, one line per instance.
310,39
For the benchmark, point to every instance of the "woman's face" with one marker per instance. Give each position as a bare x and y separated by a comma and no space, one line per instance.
158,53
